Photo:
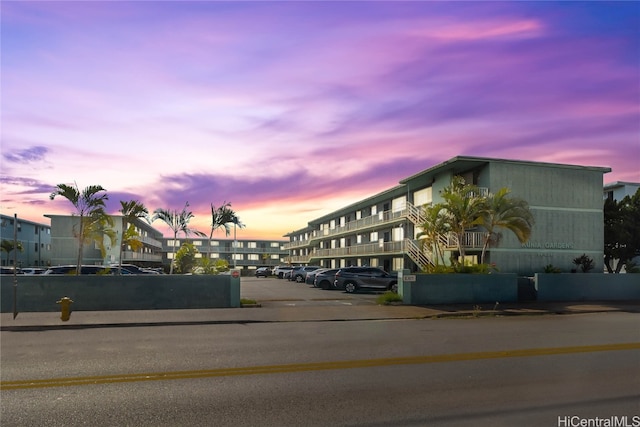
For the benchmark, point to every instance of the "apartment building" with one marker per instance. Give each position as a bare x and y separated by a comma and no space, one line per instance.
245,254
382,230
619,190
65,245
34,237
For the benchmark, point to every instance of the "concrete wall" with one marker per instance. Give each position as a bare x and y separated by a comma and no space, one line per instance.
587,287
567,206
459,288
96,293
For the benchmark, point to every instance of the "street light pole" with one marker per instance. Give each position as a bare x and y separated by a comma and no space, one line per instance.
235,243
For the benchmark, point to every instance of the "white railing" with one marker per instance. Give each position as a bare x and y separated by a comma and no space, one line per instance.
418,256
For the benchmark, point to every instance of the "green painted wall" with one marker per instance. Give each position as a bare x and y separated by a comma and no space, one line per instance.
588,287
97,293
459,289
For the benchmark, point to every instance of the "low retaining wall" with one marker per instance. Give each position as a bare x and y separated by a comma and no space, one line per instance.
98,293
459,288
587,287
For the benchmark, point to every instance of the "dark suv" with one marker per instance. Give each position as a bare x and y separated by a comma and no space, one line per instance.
353,278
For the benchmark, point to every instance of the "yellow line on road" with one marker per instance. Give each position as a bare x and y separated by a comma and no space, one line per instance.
318,366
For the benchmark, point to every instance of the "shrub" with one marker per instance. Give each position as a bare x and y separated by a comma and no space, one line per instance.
549,268
584,262
389,298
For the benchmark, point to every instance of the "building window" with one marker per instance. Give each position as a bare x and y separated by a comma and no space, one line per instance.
214,255
275,256
197,243
254,257
374,236
237,257
173,243
252,245
374,210
214,243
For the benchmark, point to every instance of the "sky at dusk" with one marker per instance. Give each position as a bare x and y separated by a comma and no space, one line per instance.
290,110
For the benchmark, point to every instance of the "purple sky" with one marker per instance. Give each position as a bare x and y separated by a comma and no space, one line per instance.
290,110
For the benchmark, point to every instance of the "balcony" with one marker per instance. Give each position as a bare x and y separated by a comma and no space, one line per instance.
137,256
296,244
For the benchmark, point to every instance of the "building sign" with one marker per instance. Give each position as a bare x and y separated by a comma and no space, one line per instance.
548,245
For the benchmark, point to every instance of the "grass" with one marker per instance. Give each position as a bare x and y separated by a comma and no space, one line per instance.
389,298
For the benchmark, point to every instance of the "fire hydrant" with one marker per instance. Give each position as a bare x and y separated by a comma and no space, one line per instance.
65,308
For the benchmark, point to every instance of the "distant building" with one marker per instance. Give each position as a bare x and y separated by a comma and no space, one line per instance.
245,254
382,230
157,250
65,244
34,237
619,190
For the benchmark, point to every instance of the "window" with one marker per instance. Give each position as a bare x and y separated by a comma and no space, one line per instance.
374,210
254,257
173,243
423,197
399,203
374,236
358,215
214,243
214,255
36,247
252,245
197,243
275,256
275,245
237,257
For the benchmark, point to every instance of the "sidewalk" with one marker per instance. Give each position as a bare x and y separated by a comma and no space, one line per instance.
124,318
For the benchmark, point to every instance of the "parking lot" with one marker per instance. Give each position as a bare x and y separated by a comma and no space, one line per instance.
271,291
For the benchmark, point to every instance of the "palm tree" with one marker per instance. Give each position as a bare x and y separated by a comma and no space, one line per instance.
463,206
96,228
131,211
8,246
221,217
236,223
177,222
89,204
502,211
435,225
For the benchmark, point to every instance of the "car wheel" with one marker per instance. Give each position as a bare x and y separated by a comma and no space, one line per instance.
298,279
279,275
394,288
350,287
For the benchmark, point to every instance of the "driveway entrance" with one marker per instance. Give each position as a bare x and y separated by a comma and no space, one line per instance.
271,292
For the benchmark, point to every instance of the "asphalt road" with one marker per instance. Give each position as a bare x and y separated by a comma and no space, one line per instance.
524,371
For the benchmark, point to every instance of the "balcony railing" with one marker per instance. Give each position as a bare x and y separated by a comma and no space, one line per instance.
137,256
296,244
470,240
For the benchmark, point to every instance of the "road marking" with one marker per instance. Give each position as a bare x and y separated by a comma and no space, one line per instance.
305,367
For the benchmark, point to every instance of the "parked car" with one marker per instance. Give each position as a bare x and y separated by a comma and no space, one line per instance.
9,270
325,278
71,269
299,274
311,275
280,270
351,279
263,272
134,269
33,270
